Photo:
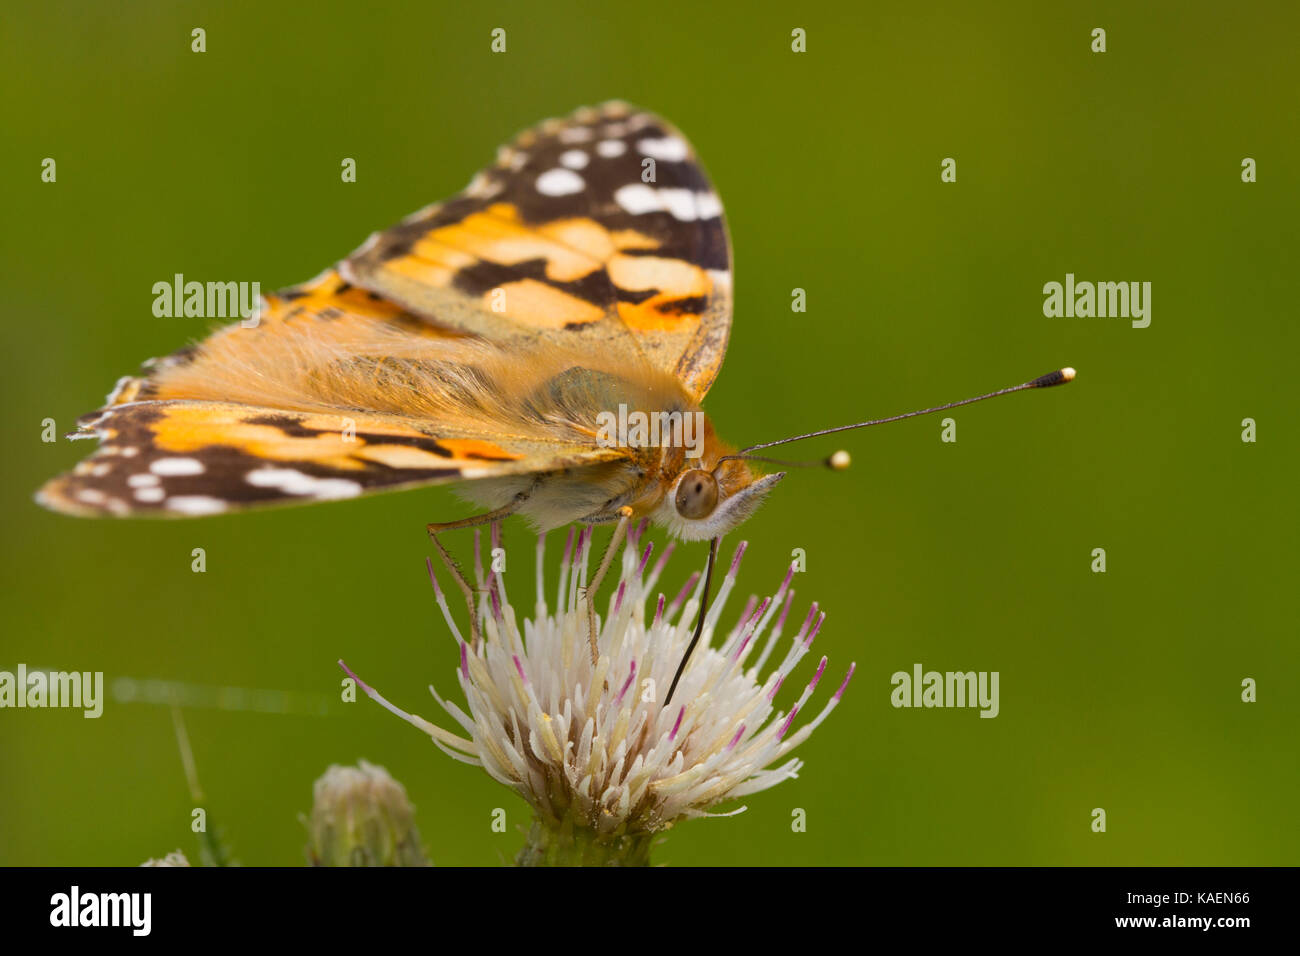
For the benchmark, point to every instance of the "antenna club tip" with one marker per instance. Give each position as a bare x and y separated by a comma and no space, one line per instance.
839,461
1059,377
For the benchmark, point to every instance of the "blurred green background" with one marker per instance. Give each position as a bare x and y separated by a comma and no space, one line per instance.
1118,690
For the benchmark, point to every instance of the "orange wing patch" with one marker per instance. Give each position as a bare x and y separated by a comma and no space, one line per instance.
678,293
540,305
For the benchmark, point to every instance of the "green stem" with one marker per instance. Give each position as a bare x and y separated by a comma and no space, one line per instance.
570,845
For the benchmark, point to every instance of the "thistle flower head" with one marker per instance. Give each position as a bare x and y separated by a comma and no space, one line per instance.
360,816
174,858
594,748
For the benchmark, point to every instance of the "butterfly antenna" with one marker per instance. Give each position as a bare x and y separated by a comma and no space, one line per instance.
836,462
699,621
1059,377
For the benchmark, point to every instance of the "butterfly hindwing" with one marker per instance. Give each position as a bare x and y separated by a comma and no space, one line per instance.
183,458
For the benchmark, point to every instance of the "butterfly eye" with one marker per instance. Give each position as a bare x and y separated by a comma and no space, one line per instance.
697,494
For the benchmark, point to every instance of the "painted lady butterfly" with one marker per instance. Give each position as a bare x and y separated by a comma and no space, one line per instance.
480,340
485,339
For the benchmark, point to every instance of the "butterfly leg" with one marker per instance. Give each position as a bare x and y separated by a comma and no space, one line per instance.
461,583
620,535
437,527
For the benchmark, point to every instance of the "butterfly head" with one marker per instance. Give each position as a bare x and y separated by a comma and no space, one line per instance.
706,503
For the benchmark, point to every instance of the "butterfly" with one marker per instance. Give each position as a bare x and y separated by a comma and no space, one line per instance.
546,337
490,339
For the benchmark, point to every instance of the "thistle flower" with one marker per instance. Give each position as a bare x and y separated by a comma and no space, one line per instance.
360,816
174,858
602,760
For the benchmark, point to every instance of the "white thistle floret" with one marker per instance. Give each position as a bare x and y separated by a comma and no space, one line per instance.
617,761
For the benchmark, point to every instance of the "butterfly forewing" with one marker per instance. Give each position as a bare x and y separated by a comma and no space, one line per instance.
601,230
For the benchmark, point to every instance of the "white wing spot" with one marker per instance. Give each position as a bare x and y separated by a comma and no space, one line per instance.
175,467
679,203
609,148
149,495
670,149
143,481
638,199
708,205
574,159
294,482
560,182
196,505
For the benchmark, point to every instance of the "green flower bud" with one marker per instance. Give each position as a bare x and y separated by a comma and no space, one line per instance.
360,816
